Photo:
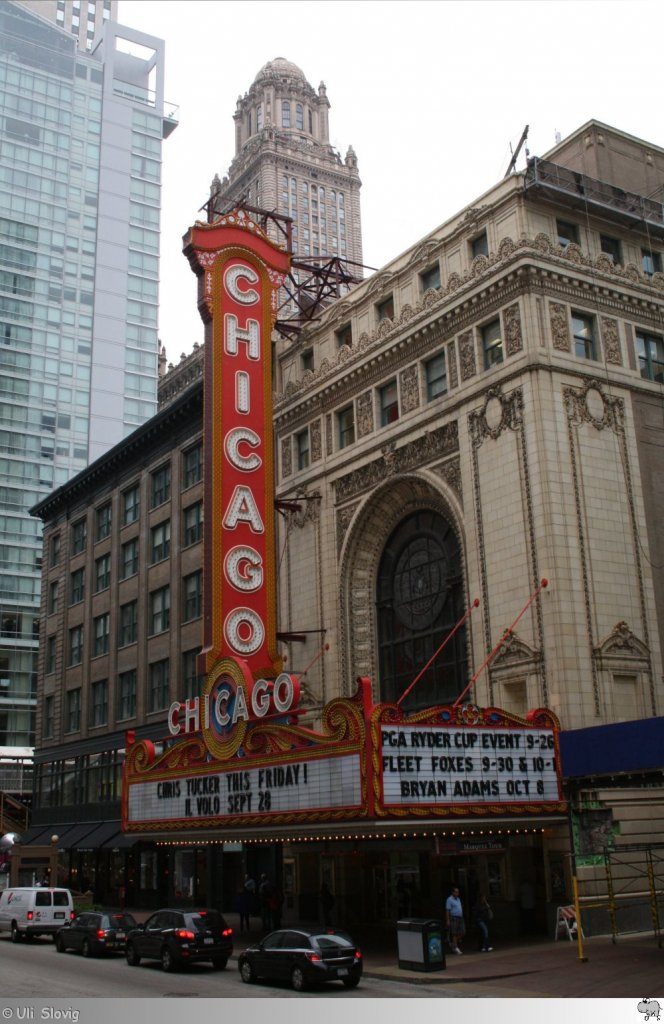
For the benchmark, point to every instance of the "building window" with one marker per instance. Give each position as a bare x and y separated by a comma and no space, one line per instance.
77,589
102,625
259,118
191,680
161,485
436,376
299,116
430,278
49,717
73,710
193,466
55,550
651,261
76,645
583,330
160,542
612,247
53,597
99,703
492,344
192,524
346,426
650,352
127,694
128,624
102,573
129,559
78,537
307,360
50,655
344,336
385,309
285,114
479,246
389,403
103,517
419,598
567,233
302,449
160,610
158,675
192,597
131,503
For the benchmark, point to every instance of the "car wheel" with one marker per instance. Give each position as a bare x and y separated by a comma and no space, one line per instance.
132,957
59,944
298,980
167,961
16,935
247,973
219,962
85,948
351,982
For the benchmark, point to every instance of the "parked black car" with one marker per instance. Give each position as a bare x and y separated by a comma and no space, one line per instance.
95,932
180,937
303,958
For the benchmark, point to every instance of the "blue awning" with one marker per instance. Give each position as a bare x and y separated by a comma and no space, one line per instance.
612,749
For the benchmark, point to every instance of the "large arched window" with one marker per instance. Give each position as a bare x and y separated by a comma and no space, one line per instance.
419,600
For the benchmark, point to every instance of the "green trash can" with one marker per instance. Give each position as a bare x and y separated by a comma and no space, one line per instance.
421,944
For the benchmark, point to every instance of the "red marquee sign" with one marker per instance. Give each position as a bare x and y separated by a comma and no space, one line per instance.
240,272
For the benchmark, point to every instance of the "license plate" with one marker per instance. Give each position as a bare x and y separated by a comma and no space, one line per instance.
119,935
208,942
342,972
59,913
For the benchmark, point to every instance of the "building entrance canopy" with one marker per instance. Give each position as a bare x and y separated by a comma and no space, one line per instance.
371,769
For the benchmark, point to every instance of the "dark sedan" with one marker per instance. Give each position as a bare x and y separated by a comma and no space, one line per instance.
303,958
181,937
95,932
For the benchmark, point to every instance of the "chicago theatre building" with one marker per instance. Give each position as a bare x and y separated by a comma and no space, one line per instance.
347,616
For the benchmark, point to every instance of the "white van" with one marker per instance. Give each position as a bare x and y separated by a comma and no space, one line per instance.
31,911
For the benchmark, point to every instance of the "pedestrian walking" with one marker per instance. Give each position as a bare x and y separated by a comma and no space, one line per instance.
327,903
483,915
265,893
456,926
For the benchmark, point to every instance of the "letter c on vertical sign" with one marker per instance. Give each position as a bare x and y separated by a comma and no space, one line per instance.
233,440
236,273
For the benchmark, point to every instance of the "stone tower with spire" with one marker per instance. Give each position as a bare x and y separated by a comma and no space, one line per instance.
284,162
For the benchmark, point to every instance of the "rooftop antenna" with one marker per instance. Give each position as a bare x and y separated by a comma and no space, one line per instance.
515,154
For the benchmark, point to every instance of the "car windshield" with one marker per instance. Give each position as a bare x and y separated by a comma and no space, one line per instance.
336,940
204,920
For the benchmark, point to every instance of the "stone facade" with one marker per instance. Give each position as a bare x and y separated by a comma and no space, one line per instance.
284,162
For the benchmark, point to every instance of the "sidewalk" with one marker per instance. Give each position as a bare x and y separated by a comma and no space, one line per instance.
633,967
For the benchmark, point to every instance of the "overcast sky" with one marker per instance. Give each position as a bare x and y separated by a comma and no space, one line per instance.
430,93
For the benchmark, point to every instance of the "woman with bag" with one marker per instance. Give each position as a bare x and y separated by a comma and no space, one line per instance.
483,915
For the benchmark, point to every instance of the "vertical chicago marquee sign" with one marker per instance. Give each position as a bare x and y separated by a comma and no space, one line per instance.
240,271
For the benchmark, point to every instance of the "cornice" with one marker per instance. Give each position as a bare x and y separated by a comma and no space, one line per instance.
515,269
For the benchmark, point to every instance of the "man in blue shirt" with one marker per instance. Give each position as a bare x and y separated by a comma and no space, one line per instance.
456,927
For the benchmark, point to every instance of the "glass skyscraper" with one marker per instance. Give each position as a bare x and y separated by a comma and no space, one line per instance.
80,166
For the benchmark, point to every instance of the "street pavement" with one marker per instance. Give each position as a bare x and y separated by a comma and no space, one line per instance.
632,967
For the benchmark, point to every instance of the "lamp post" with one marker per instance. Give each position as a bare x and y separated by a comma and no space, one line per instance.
53,870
